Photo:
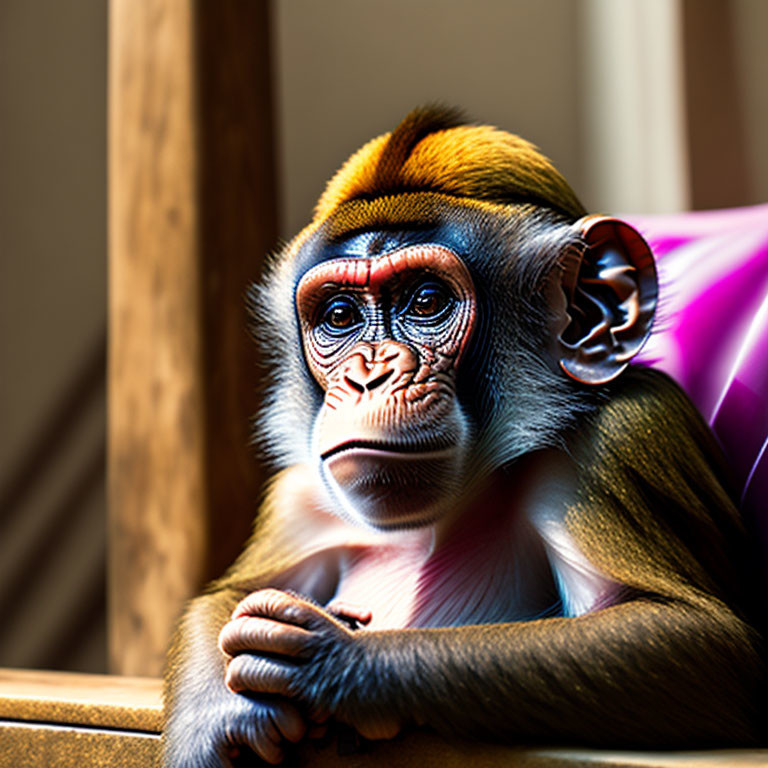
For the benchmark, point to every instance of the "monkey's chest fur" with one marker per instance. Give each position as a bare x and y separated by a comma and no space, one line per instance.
469,580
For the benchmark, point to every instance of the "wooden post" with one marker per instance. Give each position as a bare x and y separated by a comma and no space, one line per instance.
716,133
191,214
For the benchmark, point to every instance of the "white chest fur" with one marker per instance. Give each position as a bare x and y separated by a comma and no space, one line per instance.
479,579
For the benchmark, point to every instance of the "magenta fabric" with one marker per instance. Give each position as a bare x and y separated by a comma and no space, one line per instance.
711,332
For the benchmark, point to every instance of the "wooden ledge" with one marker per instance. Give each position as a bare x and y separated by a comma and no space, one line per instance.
425,750
65,720
64,698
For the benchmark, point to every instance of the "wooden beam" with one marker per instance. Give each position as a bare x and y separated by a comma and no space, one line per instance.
191,214
239,226
71,721
715,118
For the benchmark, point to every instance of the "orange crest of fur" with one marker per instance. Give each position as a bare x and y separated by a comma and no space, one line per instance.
432,151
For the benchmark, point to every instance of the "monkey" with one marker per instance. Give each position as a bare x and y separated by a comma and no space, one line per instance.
485,520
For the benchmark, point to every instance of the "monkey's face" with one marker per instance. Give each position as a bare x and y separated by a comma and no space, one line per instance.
383,336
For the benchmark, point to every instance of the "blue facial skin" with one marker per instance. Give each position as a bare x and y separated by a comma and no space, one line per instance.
465,236
486,243
344,320
373,242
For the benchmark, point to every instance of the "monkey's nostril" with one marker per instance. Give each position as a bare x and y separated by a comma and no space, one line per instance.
379,380
352,384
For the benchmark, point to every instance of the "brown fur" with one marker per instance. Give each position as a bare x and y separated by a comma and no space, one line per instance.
667,657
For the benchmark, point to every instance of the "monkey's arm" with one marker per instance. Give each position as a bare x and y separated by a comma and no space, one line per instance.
641,673
674,666
206,720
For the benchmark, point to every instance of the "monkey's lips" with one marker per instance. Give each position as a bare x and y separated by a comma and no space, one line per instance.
392,484
386,450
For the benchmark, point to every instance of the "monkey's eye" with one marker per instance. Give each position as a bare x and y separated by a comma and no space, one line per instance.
429,300
340,314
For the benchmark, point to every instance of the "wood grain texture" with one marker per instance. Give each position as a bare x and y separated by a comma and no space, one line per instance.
57,746
238,217
427,750
64,719
156,481
104,701
191,215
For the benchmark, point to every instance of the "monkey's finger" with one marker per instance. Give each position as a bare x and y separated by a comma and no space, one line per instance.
378,728
317,731
267,749
288,720
320,716
259,675
349,611
275,604
264,635
256,730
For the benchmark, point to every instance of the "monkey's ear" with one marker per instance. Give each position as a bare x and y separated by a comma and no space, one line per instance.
611,290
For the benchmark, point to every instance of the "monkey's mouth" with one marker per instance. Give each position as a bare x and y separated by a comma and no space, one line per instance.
392,484
373,448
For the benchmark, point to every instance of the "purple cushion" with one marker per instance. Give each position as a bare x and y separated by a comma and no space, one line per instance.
711,332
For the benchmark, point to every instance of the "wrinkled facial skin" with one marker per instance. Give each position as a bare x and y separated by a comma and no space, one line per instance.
383,336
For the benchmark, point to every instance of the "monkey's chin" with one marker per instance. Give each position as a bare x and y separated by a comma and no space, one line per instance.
389,489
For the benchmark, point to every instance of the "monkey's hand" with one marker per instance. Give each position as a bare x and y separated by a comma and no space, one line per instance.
233,721
281,644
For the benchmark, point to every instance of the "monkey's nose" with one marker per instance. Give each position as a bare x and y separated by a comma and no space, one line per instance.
379,380
391,358
373,380
371,371
395,357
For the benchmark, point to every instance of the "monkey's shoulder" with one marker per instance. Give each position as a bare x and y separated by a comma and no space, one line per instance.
647,418
654,493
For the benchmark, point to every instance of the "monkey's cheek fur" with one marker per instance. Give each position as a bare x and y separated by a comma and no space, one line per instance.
392,489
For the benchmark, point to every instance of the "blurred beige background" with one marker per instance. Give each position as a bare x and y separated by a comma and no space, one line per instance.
645,105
